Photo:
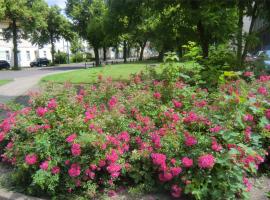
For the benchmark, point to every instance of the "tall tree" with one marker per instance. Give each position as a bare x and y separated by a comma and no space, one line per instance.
211,21
89,18
22,16
57,27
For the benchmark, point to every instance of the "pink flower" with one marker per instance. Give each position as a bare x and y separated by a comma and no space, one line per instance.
45,165
41,111
165,176
90,174
101,163
158,159
157,95
124,136
112,157
267,127
215,146
74,170
206,161
248,133
76,149
215,129
191,117
177,104
112,102
190,140
248,117
71,138
187,162
10,145
248,74
247,184
156,140
262,91
52,104
31,159
176,171
111,193
176,191
114,170
67,162
55,170
267,114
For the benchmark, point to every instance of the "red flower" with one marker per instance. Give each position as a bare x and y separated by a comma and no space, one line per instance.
176,191
31,159
190,140
71,138
55,170
52,104
157,95
76,149
44,165
158,159
41,111
206,161
262,91
75,170
187,162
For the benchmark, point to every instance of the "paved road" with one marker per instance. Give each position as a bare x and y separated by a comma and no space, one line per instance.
37,71
26,79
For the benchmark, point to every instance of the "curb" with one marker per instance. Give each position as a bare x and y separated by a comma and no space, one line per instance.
8,195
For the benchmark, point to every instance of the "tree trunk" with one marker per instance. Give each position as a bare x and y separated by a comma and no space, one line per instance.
15,44
104,53
116,52
52,50
240,33
125,51
180,50
96,56
161,55
204,39
142,50
253,19
128,50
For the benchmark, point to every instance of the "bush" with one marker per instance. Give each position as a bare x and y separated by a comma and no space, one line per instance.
147,135
77,58
61,58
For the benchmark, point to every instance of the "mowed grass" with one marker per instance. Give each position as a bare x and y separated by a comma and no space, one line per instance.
3,82
116,72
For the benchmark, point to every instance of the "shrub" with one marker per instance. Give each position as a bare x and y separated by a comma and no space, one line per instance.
77,58
143,134
61,58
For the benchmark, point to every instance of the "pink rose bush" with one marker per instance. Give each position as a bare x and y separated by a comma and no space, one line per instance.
143,134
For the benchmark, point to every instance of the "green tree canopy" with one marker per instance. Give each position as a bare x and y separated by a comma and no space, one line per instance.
22,16
89,19
57,27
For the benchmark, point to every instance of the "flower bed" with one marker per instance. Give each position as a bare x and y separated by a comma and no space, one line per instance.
144,135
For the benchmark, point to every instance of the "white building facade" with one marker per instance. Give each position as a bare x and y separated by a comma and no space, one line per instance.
27,51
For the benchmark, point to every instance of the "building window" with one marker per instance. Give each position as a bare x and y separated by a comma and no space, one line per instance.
45,54
7,56
28,56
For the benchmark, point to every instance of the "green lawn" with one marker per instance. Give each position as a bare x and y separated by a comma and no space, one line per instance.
3,82
117,72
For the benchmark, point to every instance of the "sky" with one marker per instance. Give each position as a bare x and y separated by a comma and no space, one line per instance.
60,3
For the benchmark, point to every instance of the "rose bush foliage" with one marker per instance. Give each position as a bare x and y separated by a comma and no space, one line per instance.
146,134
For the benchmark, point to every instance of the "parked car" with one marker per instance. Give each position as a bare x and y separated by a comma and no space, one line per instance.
4,64
39,62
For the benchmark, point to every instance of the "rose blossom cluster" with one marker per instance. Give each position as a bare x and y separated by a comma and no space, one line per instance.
124,136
